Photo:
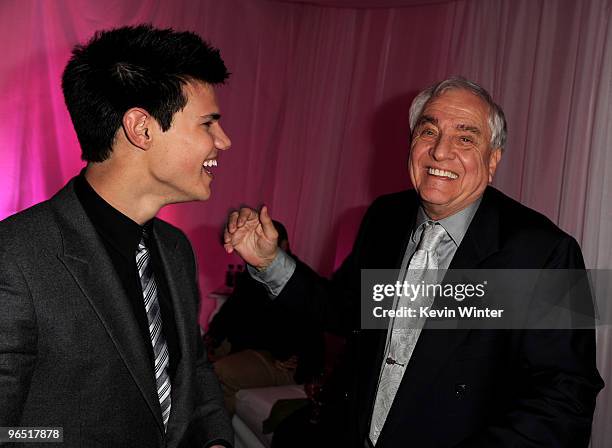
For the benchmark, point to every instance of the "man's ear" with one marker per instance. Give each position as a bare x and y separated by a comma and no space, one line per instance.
494,158
136,122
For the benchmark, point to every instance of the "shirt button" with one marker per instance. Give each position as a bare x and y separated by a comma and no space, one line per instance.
461,391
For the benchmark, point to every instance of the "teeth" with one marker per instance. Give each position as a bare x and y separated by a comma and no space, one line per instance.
209,163
443,173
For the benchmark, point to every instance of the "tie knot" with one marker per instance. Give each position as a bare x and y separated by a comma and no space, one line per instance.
141,245
432,235
145,235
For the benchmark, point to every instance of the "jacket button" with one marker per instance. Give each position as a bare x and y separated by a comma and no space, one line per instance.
461,391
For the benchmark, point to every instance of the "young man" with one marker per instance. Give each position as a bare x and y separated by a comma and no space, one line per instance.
98,298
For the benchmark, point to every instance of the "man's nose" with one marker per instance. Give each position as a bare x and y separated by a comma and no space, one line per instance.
442,149
222,141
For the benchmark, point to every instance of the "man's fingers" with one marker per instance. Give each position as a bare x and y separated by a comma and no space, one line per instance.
246,214
227,242
266,222
231,222
237,219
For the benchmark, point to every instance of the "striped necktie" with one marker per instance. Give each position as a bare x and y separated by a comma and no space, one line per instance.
403,340
160,348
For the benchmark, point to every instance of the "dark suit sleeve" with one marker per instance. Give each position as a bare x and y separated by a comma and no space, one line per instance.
18,338
331,304
555,407
209,424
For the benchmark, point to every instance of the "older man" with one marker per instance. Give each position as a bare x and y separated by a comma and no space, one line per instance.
441,388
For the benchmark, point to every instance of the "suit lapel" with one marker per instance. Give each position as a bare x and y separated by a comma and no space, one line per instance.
482,237
85,257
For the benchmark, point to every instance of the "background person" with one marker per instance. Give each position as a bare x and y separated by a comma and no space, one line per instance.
268,345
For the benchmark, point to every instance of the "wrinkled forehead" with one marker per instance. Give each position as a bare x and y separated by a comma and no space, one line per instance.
459,107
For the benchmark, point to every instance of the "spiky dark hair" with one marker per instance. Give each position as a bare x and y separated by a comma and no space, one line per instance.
133,66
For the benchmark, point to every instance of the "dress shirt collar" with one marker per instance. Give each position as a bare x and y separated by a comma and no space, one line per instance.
119,230
455,225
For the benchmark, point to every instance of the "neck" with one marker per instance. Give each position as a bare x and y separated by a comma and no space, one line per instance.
117,187
438,213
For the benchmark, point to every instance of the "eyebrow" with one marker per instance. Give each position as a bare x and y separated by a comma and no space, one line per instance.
427,119
461,127
468,128
214,116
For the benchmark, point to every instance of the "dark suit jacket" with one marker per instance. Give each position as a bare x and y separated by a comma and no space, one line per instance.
463,388
71,353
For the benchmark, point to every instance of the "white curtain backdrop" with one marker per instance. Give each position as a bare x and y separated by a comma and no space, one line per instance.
317,111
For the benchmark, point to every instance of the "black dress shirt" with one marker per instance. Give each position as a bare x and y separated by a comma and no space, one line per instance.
120,236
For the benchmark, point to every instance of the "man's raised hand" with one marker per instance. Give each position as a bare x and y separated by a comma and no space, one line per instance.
252,235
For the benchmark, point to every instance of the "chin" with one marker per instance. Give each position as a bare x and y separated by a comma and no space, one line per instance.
201,192
193,196
203,196
435,197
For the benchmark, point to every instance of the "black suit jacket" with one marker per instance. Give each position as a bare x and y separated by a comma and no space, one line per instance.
462,388
71,352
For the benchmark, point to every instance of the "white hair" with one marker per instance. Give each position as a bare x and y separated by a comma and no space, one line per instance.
497,120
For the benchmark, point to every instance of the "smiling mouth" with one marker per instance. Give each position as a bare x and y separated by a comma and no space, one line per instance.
207,165
441,173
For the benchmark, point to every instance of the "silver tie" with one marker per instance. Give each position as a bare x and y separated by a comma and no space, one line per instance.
403,340
160,348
